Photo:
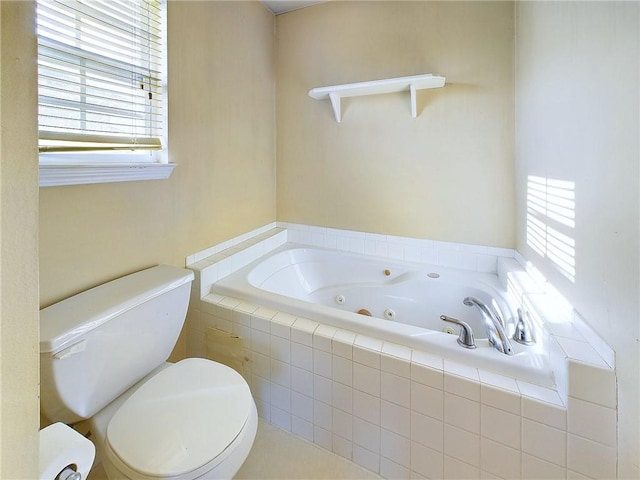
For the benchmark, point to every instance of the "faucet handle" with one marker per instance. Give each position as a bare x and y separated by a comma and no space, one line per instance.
523,333
466,333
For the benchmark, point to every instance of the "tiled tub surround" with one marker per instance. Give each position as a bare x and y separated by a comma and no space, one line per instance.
409,414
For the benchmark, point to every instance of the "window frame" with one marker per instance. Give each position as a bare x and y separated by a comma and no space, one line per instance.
65,168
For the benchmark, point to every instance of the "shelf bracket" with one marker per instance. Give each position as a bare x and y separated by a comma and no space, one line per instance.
414,108
335,103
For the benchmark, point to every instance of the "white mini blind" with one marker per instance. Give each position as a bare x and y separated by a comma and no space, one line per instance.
99,75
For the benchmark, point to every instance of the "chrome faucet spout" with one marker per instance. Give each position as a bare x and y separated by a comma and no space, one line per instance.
494,325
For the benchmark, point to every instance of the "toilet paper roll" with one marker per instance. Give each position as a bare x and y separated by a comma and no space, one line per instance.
60,447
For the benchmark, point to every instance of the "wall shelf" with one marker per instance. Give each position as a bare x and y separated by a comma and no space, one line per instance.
374,87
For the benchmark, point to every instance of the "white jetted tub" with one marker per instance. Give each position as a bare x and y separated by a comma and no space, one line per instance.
397,301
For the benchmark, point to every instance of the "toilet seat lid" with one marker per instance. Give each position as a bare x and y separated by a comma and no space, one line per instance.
180,419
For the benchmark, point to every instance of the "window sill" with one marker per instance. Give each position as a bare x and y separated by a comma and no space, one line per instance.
58,174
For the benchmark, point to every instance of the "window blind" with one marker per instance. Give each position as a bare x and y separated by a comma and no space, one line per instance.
99,75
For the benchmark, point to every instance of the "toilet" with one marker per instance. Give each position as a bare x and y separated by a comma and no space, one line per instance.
103,357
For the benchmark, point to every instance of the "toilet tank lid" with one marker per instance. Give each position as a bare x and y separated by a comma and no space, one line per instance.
65,321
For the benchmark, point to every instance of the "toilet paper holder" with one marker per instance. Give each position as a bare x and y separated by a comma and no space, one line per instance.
64,453
69,474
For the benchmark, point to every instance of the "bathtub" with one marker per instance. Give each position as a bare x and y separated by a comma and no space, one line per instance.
393,301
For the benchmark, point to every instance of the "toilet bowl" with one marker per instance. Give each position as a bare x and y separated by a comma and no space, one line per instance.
103,360
208,422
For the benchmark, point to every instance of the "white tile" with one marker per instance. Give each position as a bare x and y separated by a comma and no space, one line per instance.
366,357
581,351
399,352
427,375
280,349
366,435
462,445
301,356
395,366
463,387
302,331
426,462
342,447
390,469
395,389
499,459
262,315
261,388
366,379
280,418
322,363
454,469
592,421
571,475
261,342
342,370
264,409
302,406
342,424
368,343
366,458
544,412
281,325
462,413
322,389
590,458
427,431
322,438
366,407
427,359
322,337
461,370
343,343
502,399
500,426
395,418
537,469
281,373
395,447
484,475
593,384
544,442
499,381
342,397
538,392
322,415
261,365
302,381
427,400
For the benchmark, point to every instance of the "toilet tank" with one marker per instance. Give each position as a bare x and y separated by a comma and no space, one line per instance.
97,344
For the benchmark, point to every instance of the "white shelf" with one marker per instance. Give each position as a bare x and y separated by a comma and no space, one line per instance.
374,87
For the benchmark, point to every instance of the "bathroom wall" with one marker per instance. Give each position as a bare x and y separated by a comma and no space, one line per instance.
222,136
445,175
19,362
577,118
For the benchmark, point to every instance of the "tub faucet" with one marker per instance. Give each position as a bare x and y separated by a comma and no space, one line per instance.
493,324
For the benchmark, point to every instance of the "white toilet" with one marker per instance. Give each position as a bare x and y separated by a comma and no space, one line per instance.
103,357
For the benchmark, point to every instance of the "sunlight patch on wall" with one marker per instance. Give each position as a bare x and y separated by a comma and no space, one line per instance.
551,221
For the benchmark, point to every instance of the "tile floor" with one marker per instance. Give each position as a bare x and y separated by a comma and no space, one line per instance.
277,454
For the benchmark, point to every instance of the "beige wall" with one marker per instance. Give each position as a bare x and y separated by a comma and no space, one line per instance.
221,135
446,175
577,104
19,367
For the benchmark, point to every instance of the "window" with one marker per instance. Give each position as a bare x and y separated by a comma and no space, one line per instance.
101,91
